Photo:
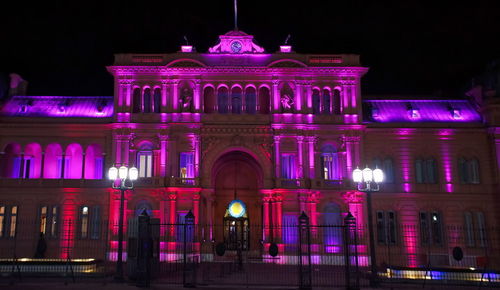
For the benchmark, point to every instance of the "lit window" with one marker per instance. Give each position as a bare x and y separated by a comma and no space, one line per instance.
49,219
456,114
288,166
2,221
84,219
8,221
145,161
330,165
414,113
186,166
13,221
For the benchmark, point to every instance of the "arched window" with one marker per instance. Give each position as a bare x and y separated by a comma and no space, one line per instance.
222,95
332,230
11,161
145,160
32,161
264,97
147,101
336,102
316,101
236,100
330,163
94,162
250,104
185,97
73,162
136,101
209,100
327,102
53,161
157,100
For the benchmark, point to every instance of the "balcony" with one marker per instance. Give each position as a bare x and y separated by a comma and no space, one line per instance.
50,182
291,183
321,183
183,182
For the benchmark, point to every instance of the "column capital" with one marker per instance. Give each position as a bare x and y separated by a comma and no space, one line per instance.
172,196
300,139
312,139
277,138
353,197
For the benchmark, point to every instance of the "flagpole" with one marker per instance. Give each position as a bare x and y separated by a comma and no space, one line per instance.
235,14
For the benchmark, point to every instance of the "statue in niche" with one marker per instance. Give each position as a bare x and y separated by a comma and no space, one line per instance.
185,99
286,102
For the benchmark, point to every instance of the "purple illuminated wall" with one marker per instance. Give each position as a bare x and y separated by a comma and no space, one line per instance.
426,111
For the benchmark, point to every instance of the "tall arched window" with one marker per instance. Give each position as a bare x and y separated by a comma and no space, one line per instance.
143,206
330,163
32,161
250,104
287,99
332,222
147,100
11,161
53,161
94,162
236,100
316,101
222,96
136,100
157,100
264,100
326,102
336,102
145,160
73,161
209,100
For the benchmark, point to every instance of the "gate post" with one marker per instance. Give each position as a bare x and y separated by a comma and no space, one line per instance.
189,272
305,272
145,250
350,242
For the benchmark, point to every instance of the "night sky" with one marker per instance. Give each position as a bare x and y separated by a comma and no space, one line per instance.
411,47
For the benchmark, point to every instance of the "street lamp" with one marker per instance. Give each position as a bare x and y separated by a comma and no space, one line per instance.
122,174
368,180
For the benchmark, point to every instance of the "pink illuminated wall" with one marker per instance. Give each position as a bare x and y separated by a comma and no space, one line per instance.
10,166
52,163
94,162
73,161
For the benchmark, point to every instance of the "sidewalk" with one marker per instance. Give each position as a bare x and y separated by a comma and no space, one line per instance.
41,285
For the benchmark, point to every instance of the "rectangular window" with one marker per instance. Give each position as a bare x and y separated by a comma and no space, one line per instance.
84,222
481,229
186,166
145,161
290,232
2,220
419,171
391,225
381,228
13,221
329,162
49,221
424,229
288,166
436,226
469,229
95,228
181,219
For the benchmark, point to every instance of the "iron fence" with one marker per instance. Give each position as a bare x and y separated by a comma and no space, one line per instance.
327,255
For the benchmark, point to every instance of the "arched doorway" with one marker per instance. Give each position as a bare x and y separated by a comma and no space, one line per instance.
237,175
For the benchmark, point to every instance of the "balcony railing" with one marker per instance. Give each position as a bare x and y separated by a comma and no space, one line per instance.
184,182
291,183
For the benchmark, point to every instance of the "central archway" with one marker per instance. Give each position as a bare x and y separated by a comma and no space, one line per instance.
237,174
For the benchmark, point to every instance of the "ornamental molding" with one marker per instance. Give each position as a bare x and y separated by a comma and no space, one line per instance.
353,197
235,131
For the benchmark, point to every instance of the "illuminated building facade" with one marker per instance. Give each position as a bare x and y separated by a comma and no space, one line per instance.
280,131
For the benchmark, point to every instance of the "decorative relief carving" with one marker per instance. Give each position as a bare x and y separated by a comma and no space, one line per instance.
353,197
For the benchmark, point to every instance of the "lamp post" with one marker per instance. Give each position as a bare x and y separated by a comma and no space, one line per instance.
368,180
122,174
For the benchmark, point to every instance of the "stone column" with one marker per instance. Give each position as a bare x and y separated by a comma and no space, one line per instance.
196,207
196,156
312,142
197,97
309,98
163,214
173,215
84,157
300,144
276,97
164,88
163,154
265,217
298,97
175,99
277,157
354,202
352,151
42,169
